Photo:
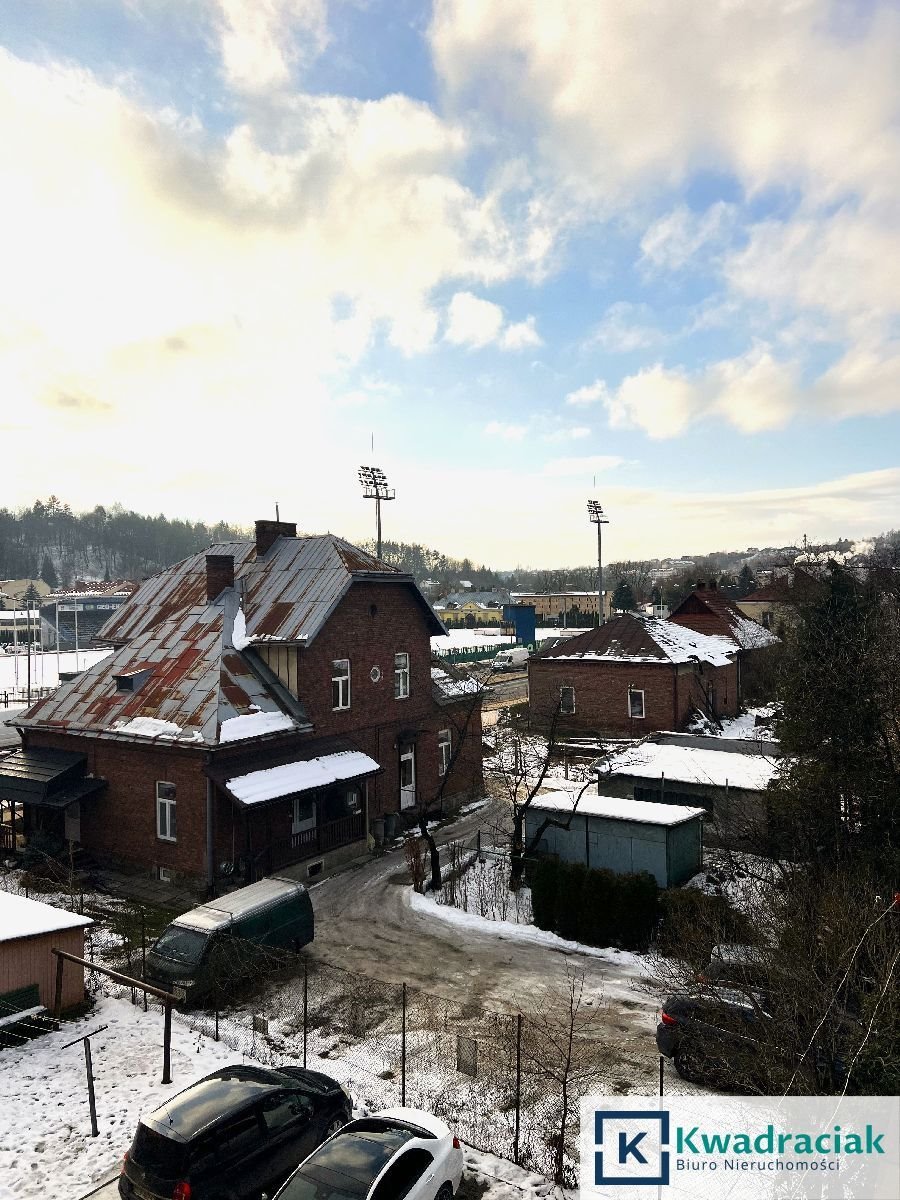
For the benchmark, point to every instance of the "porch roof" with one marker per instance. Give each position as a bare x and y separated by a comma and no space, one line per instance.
299,775
45,776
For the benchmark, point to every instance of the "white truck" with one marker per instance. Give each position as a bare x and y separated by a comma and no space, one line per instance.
515,658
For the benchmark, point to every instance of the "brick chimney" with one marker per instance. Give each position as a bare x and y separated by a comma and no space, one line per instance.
268,531
219,575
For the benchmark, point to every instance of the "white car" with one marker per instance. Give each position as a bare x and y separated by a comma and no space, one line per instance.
398,1154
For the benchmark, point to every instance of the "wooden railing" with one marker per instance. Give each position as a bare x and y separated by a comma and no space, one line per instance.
311,842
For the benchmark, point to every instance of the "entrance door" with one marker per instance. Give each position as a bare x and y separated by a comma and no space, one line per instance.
408,777
304,815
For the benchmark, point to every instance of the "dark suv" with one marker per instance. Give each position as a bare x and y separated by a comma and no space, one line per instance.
231,1135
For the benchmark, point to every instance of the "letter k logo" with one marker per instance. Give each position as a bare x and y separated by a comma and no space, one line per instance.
627,1147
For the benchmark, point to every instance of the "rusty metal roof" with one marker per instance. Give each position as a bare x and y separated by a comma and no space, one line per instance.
202,668
287,594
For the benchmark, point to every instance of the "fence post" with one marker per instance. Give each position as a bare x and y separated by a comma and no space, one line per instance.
403,1052
144,951
518,1087
662,1073
92,1102
217,1024
57,999
167,1044
305,1007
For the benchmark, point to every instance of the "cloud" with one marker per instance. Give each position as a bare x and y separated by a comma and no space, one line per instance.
260,42
575,433
508,433
625,327
521,335
591,393
753,392
476,323
75,401
675,240
472,321
590,465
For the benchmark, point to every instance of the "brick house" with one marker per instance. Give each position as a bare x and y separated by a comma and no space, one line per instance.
267,703
707,610
633,675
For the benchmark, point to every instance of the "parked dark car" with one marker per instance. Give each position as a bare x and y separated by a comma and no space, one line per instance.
232,1135
711,1038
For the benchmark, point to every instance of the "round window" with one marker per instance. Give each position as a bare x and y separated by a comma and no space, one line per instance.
375,674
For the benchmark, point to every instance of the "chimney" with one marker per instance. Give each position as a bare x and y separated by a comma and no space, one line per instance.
219,575
268,531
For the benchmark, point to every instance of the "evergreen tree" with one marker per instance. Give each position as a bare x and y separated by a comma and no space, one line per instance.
745,582
623,596
48,572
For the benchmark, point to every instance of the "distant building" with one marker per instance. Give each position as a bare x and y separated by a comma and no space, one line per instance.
551,606
467,610
72,619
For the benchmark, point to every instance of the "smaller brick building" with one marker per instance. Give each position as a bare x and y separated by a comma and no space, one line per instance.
634,675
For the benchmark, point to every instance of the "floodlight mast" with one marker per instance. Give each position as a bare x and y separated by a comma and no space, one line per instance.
375,487
595,513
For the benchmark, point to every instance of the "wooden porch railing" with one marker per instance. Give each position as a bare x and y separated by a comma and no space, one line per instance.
311,842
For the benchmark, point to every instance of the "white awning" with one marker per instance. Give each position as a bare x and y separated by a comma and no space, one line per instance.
307,775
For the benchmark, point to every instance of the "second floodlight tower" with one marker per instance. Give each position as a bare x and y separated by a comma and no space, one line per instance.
375,487
595,512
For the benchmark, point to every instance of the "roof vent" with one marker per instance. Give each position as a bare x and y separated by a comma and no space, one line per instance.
132,681
269,531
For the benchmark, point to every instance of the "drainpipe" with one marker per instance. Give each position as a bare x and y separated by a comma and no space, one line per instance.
210,837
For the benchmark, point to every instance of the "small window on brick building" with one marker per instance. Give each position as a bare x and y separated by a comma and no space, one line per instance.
340,683
566,699
166,826
401,676
444,751
635,703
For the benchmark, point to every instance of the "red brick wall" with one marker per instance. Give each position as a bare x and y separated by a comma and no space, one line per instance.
120,823
601,693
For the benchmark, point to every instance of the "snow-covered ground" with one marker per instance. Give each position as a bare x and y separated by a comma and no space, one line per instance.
45,668
744,725
46,1148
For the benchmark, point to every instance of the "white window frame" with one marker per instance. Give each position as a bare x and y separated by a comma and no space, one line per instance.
340,684
166,813
563,711
632,692
401,676
445,751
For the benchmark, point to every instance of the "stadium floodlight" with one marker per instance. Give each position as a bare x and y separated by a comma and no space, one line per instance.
595,513
375,487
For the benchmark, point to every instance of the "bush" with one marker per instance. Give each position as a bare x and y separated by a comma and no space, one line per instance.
635,910
543,878
596,923
711,920
570,882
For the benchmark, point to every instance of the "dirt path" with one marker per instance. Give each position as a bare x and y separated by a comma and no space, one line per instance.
364,923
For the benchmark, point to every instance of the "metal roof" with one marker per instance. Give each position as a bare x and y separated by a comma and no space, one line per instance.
202,669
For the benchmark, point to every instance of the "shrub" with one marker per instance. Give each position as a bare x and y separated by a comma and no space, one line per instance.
637,910
709,919
595,925
543,877
568,899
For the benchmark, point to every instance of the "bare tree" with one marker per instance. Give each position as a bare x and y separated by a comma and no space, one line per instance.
562,1050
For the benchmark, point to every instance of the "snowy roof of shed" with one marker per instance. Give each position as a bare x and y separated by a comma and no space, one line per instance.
21,917
687,764
615,808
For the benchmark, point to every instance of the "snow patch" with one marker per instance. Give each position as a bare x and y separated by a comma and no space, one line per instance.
150,727
24,918
303,776
255,724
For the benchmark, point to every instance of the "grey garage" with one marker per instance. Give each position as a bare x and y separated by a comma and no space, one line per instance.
621,835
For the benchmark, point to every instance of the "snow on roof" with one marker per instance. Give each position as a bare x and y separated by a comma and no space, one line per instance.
23,918
151,727
682,644
235,729
454,687
677,643
687,764
615,808
303,776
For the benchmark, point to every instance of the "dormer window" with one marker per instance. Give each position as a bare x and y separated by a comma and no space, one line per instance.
132,681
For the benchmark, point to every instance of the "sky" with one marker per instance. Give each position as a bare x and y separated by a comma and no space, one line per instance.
517,254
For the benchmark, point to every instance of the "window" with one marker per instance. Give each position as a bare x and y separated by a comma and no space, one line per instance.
444,748
354,801
166,827
401,676
340,683
635,703
400,1177
285,1109
566,699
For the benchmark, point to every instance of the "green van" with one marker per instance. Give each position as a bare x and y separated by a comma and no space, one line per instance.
192,954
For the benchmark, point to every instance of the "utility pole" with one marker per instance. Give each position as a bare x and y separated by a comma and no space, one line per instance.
375,487
595,513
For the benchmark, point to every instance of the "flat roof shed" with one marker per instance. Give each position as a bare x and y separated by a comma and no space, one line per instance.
29,930
621,835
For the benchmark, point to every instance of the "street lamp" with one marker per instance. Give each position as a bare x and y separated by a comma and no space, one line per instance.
375,487
595,512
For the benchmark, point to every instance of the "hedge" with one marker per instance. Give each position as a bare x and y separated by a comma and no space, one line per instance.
596,907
